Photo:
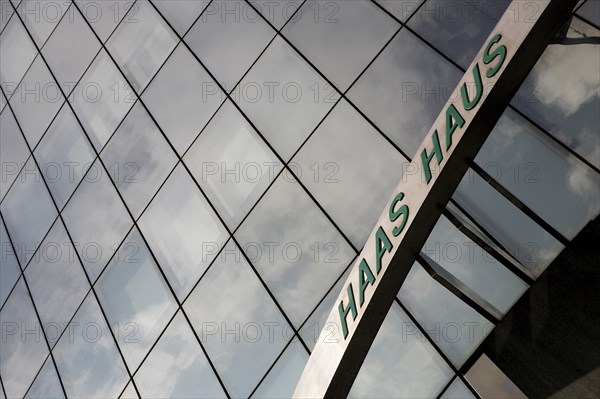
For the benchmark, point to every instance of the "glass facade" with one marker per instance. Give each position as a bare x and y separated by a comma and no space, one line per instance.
186,183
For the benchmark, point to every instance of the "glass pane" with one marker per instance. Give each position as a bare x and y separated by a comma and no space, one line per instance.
473,266
181,14
406,106
42,16
139,159
401,363
490,382
242,34
16,53
70,49
104,16
177,367
240,326
28,211
277,12
102,99
6,12
64,154
296,250
457,27
340,37
36,101
9,267
284,97
283,378
232,164
457,390
590,11
451,324
136,299
182,98
141,43
89,337
402,9
129,392
183,231
531,167
46,384
338,165
97,220
561,93
23,348
13,150
57,282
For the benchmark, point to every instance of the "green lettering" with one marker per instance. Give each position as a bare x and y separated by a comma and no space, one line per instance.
489,57
364,271
453,120
426,159
395,214
381,237
344,311
470,104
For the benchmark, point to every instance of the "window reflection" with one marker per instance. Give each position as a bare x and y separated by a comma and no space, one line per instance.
283,378
13,150
46,384
17,51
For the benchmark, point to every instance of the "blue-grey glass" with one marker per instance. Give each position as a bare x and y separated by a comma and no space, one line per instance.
232,164
296,250
520,236
473,266
17,51
23,347
401,363
129,392
283,378
13,150
457,390
57,281
242,34
284,97
451,324
402,9
182,98
490,382
9,267
87,358
178,355
181,14
240,326
104,16
405,107
101,99
347,165
531,166
64,155
183,231
36,101
590,10
277,12
96,219
70,49
28,211
42,16
141,44
340,37
561,93
456,27
46,384
135,298
138,158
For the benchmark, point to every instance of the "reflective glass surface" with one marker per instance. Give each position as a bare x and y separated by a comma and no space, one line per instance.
9,267
13,150
42,16
103,16
282,379
16,57
402,9
46,384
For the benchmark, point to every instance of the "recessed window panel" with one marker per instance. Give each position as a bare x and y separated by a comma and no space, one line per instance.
178,355
340,37
70,49
17,51
284,97
182,98
9,267
57,281
242,34
136,298
42,16
339,164
141,43
533,167
296,250
22,354
28,211
182,231
46,384
138,158
402,9
13,150
101,99
104,16
232,164
87,358
96,219
401,363
64,155
561,92
405,107
181,14
240,325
